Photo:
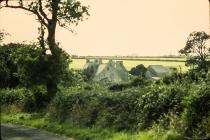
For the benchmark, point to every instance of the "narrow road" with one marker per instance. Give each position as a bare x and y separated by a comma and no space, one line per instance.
17,132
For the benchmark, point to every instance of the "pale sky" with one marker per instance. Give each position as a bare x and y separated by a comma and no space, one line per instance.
120,27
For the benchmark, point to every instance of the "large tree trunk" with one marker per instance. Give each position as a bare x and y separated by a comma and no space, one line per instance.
55,51
51,40
51,89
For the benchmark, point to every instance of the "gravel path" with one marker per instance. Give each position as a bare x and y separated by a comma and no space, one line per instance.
17,132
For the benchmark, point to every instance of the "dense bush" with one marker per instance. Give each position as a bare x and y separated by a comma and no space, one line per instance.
96,107
8,69
197,111
179,102
119,86
139,70
13,96
21,97
133,108
27,100
181,105
136,82
29,66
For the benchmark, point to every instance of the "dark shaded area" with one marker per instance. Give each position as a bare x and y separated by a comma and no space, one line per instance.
139,70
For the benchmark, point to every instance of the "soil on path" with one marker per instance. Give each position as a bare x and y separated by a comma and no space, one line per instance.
17,132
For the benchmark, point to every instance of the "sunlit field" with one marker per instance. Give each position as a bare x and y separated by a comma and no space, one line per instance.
79,63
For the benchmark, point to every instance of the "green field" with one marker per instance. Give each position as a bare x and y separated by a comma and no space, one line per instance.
79,63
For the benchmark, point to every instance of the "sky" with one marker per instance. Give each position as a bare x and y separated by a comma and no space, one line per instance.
120,27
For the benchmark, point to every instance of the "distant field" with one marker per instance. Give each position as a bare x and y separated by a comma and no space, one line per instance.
79,63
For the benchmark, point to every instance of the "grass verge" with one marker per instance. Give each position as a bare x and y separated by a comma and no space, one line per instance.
39,120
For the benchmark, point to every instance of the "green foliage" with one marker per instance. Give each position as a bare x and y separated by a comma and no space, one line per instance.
28,65
128,109
27,100
20,97
197,110
89,72
21,64
197,50
181,105
33,65
12,96
1,36
136,82
178,106
71,11
139,70
49,14
159,100
41,121
119,86
8,68
140,82
72,78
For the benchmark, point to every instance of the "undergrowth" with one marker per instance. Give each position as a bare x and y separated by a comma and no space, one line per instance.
41,121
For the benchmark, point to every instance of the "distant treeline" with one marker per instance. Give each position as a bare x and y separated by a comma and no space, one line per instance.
135,58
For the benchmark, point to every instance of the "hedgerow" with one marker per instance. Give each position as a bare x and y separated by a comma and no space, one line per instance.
182,106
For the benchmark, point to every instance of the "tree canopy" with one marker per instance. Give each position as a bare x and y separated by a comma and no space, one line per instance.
50,13
139,70
2,35
197,50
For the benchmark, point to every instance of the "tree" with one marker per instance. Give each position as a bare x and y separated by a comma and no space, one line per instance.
2,35
22,64
197,51
139,70
50,13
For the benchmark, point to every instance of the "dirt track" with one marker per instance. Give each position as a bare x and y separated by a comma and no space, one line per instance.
17,132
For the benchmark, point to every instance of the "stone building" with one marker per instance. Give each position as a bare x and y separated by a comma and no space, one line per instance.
157,72
105,72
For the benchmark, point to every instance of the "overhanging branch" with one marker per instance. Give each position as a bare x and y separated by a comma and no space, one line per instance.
41,11
64,26
29,10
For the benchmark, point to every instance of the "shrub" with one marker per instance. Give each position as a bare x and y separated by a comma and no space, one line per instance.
136,82
139,70
140,81
28,100
76,106
158,100
119,110
132,108
12,96
197,109
180,106
119,86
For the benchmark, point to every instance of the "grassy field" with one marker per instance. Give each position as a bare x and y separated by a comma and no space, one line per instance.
79,63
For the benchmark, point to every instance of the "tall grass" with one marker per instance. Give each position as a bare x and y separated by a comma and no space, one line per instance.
41,121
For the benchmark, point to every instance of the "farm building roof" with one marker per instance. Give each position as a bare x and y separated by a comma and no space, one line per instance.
111,71
101,68
159,68
157,71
